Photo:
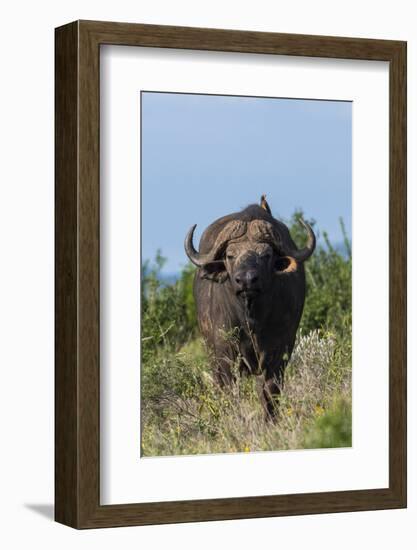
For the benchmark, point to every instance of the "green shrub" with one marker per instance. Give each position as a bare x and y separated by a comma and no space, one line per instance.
329,282
168,317
332,429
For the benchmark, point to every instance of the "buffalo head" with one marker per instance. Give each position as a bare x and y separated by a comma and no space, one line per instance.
249,254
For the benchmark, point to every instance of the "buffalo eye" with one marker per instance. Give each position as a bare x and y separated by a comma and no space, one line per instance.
214,271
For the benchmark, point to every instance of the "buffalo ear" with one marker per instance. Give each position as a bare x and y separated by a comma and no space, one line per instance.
286,264
214,271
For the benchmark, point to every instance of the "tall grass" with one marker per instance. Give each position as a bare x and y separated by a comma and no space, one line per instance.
185,412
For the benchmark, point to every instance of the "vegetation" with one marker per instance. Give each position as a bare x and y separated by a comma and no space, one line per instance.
184,412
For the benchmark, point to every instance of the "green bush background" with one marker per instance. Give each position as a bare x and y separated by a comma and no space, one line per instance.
184,412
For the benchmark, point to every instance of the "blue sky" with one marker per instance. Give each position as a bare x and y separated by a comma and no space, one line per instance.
206,156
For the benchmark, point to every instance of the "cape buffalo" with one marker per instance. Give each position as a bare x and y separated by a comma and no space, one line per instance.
250,281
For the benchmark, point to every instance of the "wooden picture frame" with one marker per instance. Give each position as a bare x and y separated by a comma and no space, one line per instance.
77,372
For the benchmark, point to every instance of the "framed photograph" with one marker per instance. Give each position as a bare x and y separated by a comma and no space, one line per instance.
230,274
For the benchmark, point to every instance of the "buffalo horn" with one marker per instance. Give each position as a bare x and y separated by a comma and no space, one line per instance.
198,259
303,254
233,230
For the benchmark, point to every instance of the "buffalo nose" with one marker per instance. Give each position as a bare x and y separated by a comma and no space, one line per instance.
247,279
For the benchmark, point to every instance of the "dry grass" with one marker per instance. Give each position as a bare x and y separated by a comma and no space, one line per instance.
184,412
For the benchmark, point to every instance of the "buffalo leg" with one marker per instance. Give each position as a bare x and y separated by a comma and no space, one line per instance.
270,391
223,373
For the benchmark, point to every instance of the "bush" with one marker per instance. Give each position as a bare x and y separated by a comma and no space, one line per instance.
168,317
329,281
332,429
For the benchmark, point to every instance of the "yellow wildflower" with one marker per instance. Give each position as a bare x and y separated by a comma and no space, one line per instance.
319,410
